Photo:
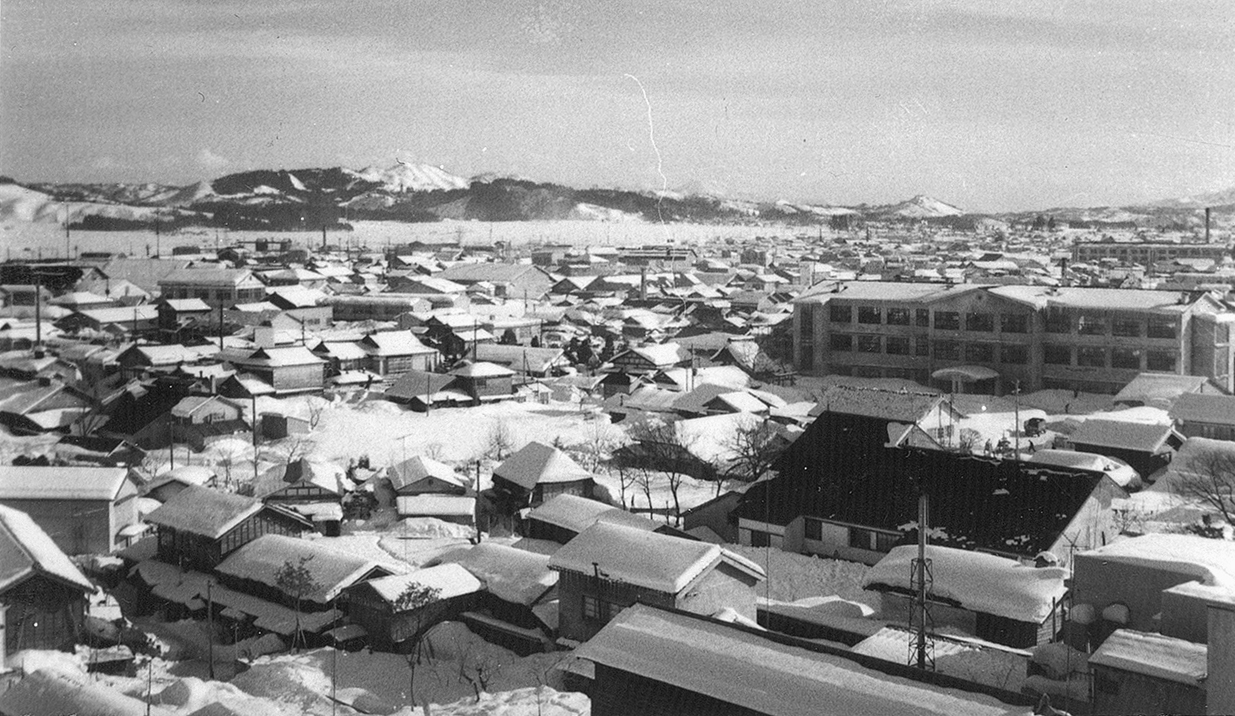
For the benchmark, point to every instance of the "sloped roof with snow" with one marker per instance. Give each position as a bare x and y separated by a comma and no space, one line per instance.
646,559
332,570
1154,655
202,511
342,350
510,574
537,463
451,580
902,406
976,581
482,369
569,511
34,482
417,468
393,343
1201,408
755,673
25,549
1142,437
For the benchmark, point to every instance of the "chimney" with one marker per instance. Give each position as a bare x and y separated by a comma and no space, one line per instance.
1207,211
643,284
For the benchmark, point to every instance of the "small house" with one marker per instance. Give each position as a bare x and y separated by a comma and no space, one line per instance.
457,509
608,567
375,605
1143,672
1146,447
199,527
293,369
993,598
1205,416
519,607
423,475
85,510
394,353
536,473
484,382
561,519
42,594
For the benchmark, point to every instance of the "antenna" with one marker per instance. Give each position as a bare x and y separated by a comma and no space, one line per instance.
921,580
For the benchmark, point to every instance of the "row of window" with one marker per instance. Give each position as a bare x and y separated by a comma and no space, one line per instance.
601,610
1056,321
924,347
1101,357
859,538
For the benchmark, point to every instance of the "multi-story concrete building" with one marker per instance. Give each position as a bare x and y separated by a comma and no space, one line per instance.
1146,252
971,338
216,286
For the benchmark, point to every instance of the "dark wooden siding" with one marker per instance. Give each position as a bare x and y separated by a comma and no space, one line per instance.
42,614
620,693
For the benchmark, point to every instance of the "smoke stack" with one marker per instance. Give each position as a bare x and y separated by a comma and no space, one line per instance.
1207,224
643,284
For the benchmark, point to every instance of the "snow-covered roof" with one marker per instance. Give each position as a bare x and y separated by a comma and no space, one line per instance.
1154,655
435,506
976,581
646,559
1210,561
537,463
40,482
736,666
393,343
343,350
52,691
25,549
1140,437
332,570
202,511
510,574
1119,471
415,469
482,369
451,580
1201,408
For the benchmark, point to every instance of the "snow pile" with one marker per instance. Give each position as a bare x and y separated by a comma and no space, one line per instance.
1212,562
541,700
510,574
972,661
977,582
793,577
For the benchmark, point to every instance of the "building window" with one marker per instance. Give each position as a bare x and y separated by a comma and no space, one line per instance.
884,541
1161,360
1014,355
1014,323
897,345
947,350
1160,329
947,320
1126,329
860,538
1125,358
980,352
898,316
869,344
813,529
1091,326
1092,357
869,314
923,318
839,313
1055,354
840,342
922,347
1058,322
759,538
806,329
984,322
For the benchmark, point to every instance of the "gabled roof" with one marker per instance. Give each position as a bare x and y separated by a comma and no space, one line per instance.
1200,408
901,406
205,512
342,350
450,580
537,463
578,513
419,384
481,369
1154,655
278,357
417,468
32,482
1141,437
25,550
1159,389
513,575
332,570
185,305
634,556
210,277
393,343
1209,561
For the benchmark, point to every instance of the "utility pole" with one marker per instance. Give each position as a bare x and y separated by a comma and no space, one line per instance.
922,648
38,313
254,398
210,627
1016,428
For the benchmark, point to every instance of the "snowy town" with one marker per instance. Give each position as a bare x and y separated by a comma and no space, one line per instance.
305,477
566,358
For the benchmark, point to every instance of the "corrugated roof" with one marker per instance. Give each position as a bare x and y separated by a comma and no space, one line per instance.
33,482
755,673
1154,655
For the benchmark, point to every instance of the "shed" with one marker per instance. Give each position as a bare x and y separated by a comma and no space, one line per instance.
84,509
1140,672
537,472
1146,447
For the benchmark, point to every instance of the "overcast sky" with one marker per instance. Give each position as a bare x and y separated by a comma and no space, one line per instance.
988,105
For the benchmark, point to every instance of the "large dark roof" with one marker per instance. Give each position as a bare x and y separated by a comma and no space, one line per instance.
841,470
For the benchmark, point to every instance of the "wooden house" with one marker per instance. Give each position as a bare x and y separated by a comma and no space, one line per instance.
216,286
456,509
85,510
422,475
536,473
393,353
127,322
41,406
484,382
1146,447
607,568
1143,672
561,519
311,488
342,356
374,604
199,527
992,598
177,315
519,607
1205,416
649,359
287,370
42,594
848,488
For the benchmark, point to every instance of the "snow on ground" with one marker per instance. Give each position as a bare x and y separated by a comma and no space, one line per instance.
797,576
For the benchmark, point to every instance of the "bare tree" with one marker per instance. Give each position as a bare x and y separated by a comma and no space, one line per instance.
316,408
658,447
756,445
295,579
599,441
1209,478
414,598
499,443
